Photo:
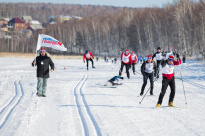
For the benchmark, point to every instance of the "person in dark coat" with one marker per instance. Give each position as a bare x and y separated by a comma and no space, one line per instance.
147,69
184,58
42,62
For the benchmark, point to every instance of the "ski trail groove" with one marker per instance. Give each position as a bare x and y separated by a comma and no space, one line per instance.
90,126
97,129
12,104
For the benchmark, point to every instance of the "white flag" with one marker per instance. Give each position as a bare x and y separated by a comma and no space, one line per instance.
48,41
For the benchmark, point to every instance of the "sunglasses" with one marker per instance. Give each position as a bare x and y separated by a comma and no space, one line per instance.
169,59
149,57
127,52
43,51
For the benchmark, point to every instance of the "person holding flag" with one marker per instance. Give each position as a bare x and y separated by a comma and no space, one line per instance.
126,61
88,56
42,62
134,61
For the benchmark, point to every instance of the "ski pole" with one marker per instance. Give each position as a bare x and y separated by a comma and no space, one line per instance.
145,94
182,84
138,73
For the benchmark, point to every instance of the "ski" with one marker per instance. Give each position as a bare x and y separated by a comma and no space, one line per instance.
169,107
112,86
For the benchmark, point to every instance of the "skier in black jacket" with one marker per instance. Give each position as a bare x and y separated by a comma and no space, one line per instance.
42,62
159,57
148,67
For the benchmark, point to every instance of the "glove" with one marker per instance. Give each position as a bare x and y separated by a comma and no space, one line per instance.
93,57
84,61
34,62
122,78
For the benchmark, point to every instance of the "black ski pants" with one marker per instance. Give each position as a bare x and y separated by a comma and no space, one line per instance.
133,67
165,83
127,69
90,60
145,77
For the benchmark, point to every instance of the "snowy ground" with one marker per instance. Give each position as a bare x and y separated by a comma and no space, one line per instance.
78,104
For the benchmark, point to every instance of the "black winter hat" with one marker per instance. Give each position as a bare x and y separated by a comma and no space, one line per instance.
158,48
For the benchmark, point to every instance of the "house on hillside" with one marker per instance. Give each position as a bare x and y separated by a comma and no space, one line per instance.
17,24
3,22
64,18
35,28
27,19
3,25
4,28
35,22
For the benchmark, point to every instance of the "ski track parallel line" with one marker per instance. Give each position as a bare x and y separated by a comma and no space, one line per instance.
18,101
85,127
97,129
10,100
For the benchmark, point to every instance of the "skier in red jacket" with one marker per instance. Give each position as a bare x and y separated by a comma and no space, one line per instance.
88,56
126,61
168,78
134,61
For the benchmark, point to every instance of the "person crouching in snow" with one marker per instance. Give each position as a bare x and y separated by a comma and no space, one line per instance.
134,61
126,61
114,81
148,67
88,56
42,62
168,78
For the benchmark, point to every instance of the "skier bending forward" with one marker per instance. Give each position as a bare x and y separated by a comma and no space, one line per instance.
114,81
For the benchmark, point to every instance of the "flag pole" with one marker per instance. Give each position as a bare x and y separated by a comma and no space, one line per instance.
37,46
36,53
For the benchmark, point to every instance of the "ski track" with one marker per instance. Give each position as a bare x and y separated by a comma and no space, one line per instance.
8,108
193,83
87,119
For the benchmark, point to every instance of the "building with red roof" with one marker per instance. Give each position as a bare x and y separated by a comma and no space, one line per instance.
17,24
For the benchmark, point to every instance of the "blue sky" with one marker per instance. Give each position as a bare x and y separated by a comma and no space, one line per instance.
118,3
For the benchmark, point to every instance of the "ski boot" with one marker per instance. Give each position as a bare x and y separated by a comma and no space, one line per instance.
171,104
158,105
39,95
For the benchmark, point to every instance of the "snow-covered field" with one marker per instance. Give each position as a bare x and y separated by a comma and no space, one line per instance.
78,104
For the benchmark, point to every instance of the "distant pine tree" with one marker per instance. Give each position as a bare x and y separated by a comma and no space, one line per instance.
79,43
